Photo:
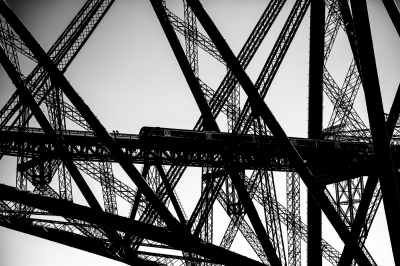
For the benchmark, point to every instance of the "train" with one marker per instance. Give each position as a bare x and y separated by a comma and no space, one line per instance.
171,133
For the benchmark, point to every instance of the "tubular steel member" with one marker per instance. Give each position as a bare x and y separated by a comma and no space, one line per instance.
62,53
371,185
42,120
277,131
194,85
393,12
219,98
209,123
373,99
61,149
275,59
359,220
269,24
158,234
315,107
165,157
393,114
88,115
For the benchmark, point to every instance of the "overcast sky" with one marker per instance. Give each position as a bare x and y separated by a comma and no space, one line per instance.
129,77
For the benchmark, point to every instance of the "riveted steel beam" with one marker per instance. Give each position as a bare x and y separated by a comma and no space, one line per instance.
163,235
260,106
315,107
194,85
373,98
59,79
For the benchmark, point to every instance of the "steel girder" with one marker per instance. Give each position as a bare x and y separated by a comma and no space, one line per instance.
275,128
315,114
85,111
83,146
122,224
104,175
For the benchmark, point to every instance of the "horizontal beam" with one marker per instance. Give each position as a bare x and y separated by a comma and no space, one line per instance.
163,235
335,157
59,236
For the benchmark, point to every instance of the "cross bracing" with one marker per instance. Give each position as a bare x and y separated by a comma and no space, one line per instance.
348,167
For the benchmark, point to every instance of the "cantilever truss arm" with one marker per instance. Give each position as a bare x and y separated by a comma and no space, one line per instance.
372,182
381,133
244,196
194,85
170,193
77,241
28,100
162,235
349,26
85,111
277,131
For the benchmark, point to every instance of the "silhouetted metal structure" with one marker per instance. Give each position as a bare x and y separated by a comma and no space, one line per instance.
357,163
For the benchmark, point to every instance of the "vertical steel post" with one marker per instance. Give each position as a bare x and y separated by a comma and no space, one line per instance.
317,33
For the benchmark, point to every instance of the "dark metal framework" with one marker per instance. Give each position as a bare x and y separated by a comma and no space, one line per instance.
357,163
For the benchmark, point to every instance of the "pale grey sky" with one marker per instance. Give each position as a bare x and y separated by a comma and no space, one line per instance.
129,77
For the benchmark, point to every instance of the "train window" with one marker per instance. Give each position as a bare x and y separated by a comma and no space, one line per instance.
208,135
337,145
167,133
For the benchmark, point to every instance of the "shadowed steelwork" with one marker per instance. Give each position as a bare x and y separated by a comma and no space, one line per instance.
346,167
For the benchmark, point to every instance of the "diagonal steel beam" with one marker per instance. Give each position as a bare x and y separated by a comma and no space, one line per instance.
86,113
77,241
28,100
138,196
393,12
159,234
255,220
349,26
260,106
370,187
196,90
193,82
184,65
219,98
393,114
373,99
346,258
63,51
170,192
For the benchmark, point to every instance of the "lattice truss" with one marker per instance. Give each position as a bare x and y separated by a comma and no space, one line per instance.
338,165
